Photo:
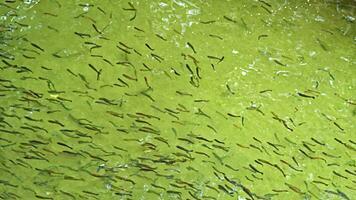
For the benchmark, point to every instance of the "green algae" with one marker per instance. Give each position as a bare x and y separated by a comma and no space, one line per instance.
177,100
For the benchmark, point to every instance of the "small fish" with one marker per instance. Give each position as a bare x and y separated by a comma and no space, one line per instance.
157,186
186,140
229,19
107,61
175,71
262,36
289,165
62,144
338,126
279,63
183,93
208,22
96,29
197,70
161,139
294,188
322,44
224,189
28,57
265,3
129,77
242,146
216,36
123,82
338,174
233,115
191,46
226,149
202,138
138,29
307,147
230,167
202,153
305,95
56,122
213,66
229,89
82,35
161,37
216,58
184,149
220,159
124,50
266,9
200,112
37,47
149,47
157,57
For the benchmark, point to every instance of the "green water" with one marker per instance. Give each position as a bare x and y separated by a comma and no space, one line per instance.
177,99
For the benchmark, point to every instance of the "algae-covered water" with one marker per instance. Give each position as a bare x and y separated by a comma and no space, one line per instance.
181,99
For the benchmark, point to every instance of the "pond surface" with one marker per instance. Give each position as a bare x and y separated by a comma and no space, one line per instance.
177,99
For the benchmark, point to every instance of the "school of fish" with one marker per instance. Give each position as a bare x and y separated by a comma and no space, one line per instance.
177,99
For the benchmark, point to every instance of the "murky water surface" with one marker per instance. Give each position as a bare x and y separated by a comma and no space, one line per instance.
177,99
